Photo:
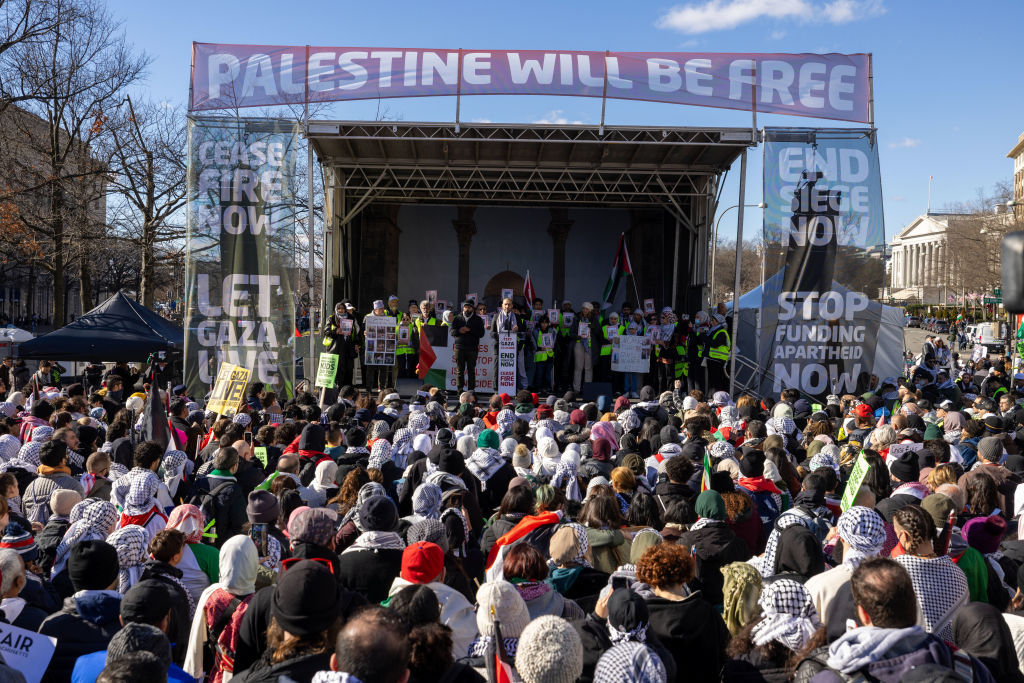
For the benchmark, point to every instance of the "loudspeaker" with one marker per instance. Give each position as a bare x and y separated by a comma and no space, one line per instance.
591,390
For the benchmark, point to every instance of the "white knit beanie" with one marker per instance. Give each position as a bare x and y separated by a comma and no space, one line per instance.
509,609
550,651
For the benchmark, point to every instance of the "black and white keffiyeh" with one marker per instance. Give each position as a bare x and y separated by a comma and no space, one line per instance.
419,423
366,491
174,469
782,426
380,454
505,419
91,520
630,662
9,447
941,589
378,428
864,530
789,615
436,413
446,481
30,453
426,501
376,540
721,449
480,646
123,485
130,542
629,420
484,463
582,540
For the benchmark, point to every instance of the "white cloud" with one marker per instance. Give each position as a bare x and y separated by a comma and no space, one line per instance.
557,117
481,121
718,15
905,142
777,35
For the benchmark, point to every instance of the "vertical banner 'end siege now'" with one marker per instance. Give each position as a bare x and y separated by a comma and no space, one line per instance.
824,240
241,250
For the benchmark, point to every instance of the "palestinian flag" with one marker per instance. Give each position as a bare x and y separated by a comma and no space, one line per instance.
431,369
528,292
154,418
705,479
620,267
499,666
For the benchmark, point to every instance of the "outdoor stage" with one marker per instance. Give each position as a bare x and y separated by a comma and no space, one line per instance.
469,208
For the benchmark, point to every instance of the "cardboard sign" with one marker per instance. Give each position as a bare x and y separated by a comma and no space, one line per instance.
261,454
507,364
472,297
553,315
898,449
486,357
567,318
611,331
441,306
431,295
547,340
506,294
229,389
345,326
403,333
26,651
857,474
648,305
584,331
327,370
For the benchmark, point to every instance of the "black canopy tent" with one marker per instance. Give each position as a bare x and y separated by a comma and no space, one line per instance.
119,329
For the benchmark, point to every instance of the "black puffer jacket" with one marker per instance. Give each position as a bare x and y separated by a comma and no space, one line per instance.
85,625
715,546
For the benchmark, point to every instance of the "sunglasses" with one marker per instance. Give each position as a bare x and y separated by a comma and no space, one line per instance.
285,564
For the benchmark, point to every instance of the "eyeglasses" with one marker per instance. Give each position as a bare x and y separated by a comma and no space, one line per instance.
285,564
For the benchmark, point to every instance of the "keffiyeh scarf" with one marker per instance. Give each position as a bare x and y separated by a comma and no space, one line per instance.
91,520
864,530
630,662
9,447
426,501
380,455
789,615
174,469
484,463
130,542
189,520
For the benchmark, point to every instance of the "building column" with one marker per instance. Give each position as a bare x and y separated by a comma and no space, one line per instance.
897,266
558,228
931,264
465,228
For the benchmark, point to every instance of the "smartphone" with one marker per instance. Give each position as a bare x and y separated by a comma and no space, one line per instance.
619,582
248,437
258,534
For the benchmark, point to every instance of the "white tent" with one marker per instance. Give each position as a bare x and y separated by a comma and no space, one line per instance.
15,334
754,348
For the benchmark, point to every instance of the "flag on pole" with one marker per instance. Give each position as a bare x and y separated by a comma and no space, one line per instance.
528,290
620,267
154,418
499,667
705,479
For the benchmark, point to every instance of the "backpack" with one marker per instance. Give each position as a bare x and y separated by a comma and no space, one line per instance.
206,500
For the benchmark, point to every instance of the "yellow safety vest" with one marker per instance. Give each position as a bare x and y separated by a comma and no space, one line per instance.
718,350
606,349
541,355
402,348
682,366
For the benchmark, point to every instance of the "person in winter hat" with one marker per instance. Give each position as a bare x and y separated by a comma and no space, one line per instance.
714,542
497,600
549,651
371,564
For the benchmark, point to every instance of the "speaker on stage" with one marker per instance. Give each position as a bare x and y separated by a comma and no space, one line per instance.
591,390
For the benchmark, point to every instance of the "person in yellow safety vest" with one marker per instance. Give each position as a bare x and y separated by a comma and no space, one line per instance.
341,336
609,331
696,343
544,356
404,353
565,325
427,315
718,352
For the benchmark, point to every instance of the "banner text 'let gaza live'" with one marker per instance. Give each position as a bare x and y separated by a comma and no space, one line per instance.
828,86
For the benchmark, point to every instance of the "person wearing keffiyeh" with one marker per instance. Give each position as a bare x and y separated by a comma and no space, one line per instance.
490,469
861,535
91,519
789,615
130,542
9,447
199,562
426,503
141,507
174,471
630,663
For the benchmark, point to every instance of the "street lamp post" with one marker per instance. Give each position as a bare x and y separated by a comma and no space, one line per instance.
714,243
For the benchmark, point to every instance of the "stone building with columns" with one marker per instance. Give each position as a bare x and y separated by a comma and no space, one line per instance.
920,266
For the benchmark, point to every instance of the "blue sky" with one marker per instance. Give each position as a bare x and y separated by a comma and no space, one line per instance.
945,103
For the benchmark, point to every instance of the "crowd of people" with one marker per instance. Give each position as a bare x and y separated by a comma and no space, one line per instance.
678,536
558,349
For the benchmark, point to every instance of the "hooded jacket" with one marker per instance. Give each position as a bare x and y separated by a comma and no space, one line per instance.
86,624
311,452
456,613
714,545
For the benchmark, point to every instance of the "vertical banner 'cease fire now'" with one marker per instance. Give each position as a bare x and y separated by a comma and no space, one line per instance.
241,246
824,236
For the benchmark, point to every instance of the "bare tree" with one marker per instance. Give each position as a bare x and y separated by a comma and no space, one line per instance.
974,238
23,21
148,179
55,187
725,269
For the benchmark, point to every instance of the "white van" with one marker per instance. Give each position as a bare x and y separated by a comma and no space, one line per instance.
987,335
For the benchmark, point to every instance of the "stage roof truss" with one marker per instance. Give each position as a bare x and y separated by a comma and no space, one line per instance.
399,162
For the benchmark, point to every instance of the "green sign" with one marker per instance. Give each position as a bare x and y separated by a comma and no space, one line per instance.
327,370
261,454
998,292
993,300
857,474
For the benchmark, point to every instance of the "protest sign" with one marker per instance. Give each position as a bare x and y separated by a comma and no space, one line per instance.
261,454
507,364
431,295
403,332
345,326
631,353
229,390
485,360
380,340
327,370
547,340
472,296
441,306
648,305
584,330
26,651
553,315
567,319
506,294
857,474
898,449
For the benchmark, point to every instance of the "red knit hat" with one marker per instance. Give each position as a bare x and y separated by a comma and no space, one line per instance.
422,562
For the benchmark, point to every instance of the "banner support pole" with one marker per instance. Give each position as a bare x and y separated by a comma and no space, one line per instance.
871,91
458,92
736,280
604,94
311,231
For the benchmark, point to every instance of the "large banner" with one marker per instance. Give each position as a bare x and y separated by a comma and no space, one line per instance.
443,371
827,86
241,250
824,237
